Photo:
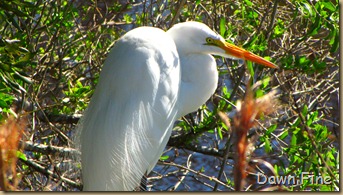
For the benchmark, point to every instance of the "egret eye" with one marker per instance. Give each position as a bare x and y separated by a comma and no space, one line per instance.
209,40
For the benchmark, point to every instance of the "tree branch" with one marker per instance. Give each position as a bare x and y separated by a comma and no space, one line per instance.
49,173
47,149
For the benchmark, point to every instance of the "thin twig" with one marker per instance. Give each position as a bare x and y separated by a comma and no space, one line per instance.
49,173
48,149
189,163
272,20
198,173
177,13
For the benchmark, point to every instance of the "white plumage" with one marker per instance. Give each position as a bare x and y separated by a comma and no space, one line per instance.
149,79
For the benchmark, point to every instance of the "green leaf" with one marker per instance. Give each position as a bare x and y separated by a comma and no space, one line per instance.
164,158
304,111
332,34
314,116
293,140
127,18
259,93
21,155
249,3
202,169
335,44
328,5
3,104
265,82
271,129
267,146
222,27
315,26
278,31
220,133
308,8
250,68
283,135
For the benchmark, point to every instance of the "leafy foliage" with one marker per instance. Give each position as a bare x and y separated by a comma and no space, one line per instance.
51,53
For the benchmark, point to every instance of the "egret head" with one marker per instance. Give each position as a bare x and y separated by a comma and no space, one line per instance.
192,37
195,37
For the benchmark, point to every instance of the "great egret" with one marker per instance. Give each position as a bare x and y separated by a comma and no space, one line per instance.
149,79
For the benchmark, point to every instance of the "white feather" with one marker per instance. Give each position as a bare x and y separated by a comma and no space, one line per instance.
130,116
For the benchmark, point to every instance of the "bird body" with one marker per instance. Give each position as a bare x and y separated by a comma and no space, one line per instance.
149,79
131,112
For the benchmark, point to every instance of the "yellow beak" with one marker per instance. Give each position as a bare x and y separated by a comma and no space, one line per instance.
241,53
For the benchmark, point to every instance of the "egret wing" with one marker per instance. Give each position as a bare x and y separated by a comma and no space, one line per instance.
129,119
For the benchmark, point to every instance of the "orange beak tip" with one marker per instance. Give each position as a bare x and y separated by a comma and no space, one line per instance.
239,52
